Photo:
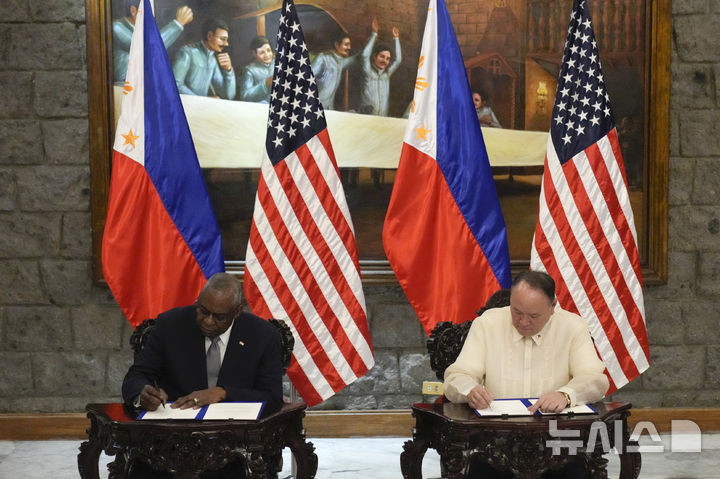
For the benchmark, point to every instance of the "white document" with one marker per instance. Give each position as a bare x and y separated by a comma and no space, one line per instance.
580,409
239,411
505,407
518,407
169,413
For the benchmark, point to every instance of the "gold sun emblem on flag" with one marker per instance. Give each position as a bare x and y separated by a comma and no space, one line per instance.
421,83
127,88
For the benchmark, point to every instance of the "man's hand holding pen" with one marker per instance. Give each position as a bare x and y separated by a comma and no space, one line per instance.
151,397
480,398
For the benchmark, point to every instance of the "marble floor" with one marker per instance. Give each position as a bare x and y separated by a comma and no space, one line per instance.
376,458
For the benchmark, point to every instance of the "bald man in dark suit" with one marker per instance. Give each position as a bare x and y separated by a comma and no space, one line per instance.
209,352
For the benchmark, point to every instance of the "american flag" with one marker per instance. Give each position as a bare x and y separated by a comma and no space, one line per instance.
585,235
302,262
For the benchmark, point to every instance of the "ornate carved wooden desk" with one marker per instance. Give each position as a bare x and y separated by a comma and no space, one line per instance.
188,448
528,445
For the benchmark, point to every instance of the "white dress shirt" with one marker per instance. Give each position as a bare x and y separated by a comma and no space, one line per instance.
222,344
561,357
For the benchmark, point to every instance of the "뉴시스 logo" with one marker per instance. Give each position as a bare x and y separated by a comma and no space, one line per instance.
685,436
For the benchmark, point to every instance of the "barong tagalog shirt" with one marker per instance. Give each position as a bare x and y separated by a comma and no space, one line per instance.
561,357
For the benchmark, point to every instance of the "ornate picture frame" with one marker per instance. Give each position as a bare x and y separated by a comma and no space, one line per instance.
518,75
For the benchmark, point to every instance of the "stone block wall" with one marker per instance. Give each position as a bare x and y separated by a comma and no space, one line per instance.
64,342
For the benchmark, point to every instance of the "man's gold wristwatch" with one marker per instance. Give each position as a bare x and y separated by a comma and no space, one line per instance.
567,398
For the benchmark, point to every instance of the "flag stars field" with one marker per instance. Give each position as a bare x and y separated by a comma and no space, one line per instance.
582,88
297,107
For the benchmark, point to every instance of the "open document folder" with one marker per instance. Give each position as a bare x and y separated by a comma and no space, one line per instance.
238,411
518,407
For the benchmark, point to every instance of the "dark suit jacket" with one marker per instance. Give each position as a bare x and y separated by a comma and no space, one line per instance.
174,356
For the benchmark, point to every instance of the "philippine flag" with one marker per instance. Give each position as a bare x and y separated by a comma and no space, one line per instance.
161,238
444,233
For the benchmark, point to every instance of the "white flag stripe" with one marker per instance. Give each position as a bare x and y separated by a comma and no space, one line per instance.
605,219
313,261
618,184
613,237
572,281
312,373
582,302
323,222
302,356
589,251
576,290
297,290
132,118
597,268
424,113
328,171
608,225
289,274
330,293
326,228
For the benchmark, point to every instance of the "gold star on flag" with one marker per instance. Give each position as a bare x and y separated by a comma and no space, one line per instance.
130,139
422,132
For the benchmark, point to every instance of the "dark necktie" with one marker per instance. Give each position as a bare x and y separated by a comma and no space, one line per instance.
213,362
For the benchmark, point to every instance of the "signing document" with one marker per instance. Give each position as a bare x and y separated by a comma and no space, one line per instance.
518,407
238,411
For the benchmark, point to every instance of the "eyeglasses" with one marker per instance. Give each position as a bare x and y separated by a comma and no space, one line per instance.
218,317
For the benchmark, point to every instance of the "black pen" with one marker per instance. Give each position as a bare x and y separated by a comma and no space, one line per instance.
156,386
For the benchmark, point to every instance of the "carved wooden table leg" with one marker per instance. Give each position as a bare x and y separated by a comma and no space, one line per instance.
88,459
118,468
305,457
411,458
90,452
455,461
630,462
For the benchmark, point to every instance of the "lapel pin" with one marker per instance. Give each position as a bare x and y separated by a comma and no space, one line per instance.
242,343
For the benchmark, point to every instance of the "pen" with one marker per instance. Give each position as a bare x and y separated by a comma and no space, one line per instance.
156,386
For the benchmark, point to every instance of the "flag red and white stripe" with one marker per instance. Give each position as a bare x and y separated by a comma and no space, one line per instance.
302,261
585,236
